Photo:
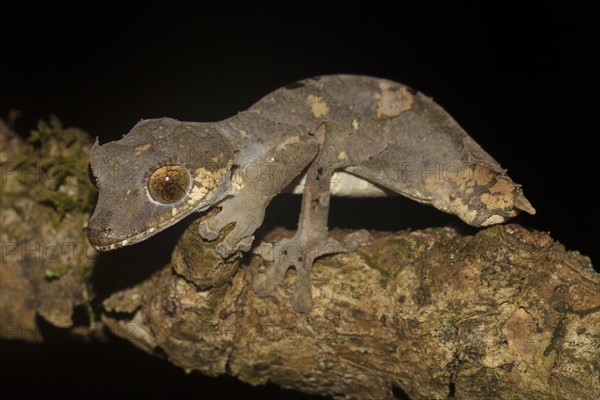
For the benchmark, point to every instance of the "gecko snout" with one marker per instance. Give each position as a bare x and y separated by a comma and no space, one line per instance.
100,235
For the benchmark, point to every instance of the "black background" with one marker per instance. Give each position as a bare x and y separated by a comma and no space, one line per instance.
520,81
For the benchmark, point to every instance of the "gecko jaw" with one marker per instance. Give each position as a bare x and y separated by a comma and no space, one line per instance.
104,243
123,242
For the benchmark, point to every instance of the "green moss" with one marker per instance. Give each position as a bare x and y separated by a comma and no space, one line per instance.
57,271
54,169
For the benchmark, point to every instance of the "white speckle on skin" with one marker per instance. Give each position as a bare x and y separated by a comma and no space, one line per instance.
237,182
318,106
494,219
463,211
287,142
142,149
393,100
342,156
174,211
355,124
197,194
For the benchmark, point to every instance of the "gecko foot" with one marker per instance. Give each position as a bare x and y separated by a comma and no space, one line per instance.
299,253
240,238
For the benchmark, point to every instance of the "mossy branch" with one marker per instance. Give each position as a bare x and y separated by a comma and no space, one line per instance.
506,313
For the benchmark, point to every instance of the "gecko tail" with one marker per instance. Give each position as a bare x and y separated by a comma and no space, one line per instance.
522,203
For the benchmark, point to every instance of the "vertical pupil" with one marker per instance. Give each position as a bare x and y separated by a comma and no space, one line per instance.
169,183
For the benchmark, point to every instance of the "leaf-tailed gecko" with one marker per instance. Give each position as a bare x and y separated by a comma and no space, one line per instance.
330,135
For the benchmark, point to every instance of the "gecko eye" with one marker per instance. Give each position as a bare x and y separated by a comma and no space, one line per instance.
169,184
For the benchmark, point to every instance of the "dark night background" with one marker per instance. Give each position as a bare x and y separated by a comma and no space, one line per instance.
518,80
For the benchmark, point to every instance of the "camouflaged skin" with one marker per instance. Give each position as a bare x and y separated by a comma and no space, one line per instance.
331,135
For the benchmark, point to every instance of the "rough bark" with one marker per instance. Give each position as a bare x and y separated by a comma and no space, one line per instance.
505,313
45,259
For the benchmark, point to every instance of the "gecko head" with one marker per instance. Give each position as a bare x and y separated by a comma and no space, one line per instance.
157,174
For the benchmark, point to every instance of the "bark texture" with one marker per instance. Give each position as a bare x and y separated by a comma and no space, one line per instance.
45,259
505,313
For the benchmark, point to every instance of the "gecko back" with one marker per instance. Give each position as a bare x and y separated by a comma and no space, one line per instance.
402,141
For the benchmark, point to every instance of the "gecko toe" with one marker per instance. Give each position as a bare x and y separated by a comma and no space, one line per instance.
207,232
265,284
302,301
246,243
226,248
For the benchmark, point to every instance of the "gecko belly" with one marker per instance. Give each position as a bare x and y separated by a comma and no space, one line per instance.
344,184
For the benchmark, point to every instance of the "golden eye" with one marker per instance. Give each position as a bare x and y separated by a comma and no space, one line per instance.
169,184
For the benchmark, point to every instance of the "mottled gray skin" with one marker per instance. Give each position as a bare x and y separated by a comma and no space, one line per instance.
341,135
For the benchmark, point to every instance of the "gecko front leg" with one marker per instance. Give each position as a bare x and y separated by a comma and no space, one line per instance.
246,211
256,182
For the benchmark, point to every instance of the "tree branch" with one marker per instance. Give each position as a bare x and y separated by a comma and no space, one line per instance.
506,313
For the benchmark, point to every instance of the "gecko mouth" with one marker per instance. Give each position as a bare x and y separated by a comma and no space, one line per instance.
103,238
101,241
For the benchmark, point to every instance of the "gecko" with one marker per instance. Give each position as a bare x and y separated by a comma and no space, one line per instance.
336,135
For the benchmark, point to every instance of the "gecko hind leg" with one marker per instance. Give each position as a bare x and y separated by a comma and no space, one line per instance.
299,253
310,241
